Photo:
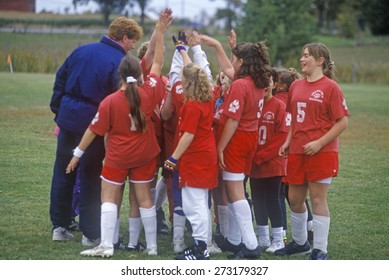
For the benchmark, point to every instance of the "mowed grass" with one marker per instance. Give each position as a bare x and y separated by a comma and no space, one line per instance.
358,198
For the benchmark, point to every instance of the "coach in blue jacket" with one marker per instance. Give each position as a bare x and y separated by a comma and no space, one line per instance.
87,76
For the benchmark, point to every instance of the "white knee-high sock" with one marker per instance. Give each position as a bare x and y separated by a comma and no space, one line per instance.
161,193
108,221
210,220
299,227
245,222
223,219
178,228
321,225
134,228
278,234
234,236
116,232
263,236
149,220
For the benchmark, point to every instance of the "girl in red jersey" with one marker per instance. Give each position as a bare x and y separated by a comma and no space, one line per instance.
285,79
237,136
197,155
268,170
319,115
132,146
170,114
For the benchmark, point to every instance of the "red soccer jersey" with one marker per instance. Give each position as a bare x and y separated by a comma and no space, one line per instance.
282,96
315,107
198,165
272,134
244,103
126,146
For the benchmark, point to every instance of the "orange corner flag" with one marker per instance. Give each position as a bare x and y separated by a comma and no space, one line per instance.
9,59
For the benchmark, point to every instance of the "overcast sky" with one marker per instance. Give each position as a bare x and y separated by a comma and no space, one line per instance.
188,8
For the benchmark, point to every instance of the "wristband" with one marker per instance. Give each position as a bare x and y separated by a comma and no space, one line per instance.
77,152
170,164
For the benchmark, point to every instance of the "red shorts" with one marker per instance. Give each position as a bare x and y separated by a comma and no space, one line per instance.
141,174
303,168
239,153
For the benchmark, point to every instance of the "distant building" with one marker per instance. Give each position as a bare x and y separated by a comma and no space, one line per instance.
18,5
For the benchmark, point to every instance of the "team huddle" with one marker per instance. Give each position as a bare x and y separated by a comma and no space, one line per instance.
270,128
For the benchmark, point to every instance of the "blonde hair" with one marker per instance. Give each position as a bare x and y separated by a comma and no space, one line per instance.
124,26
197,86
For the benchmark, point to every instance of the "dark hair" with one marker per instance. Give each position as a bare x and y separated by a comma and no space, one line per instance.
256,62
318,50
130,67
287,76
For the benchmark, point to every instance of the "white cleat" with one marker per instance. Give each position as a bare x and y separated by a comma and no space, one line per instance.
275,245
98,251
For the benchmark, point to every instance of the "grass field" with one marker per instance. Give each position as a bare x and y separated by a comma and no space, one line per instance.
358,198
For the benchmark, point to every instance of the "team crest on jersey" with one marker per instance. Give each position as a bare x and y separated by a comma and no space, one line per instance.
153,82
317,96
179,89
268,117
96,118
234,106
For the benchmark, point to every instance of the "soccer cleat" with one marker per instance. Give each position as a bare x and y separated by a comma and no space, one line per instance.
245,253
294,249
197,252
213,248
318,255
61,234
275,245
98,251
138,248
119,246
226,246
152,251
88,242
263,245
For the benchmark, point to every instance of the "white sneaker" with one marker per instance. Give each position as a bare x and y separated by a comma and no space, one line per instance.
275,245
87,242
99,251
179,246
61,234
213,248
264,244
152,251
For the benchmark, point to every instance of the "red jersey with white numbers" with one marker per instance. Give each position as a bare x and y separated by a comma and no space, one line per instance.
198,164
244,103
126,146
272,133
315,107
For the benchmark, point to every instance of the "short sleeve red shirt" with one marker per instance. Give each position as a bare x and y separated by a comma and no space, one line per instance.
126,146
272,134
198,165
315,107
244,103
